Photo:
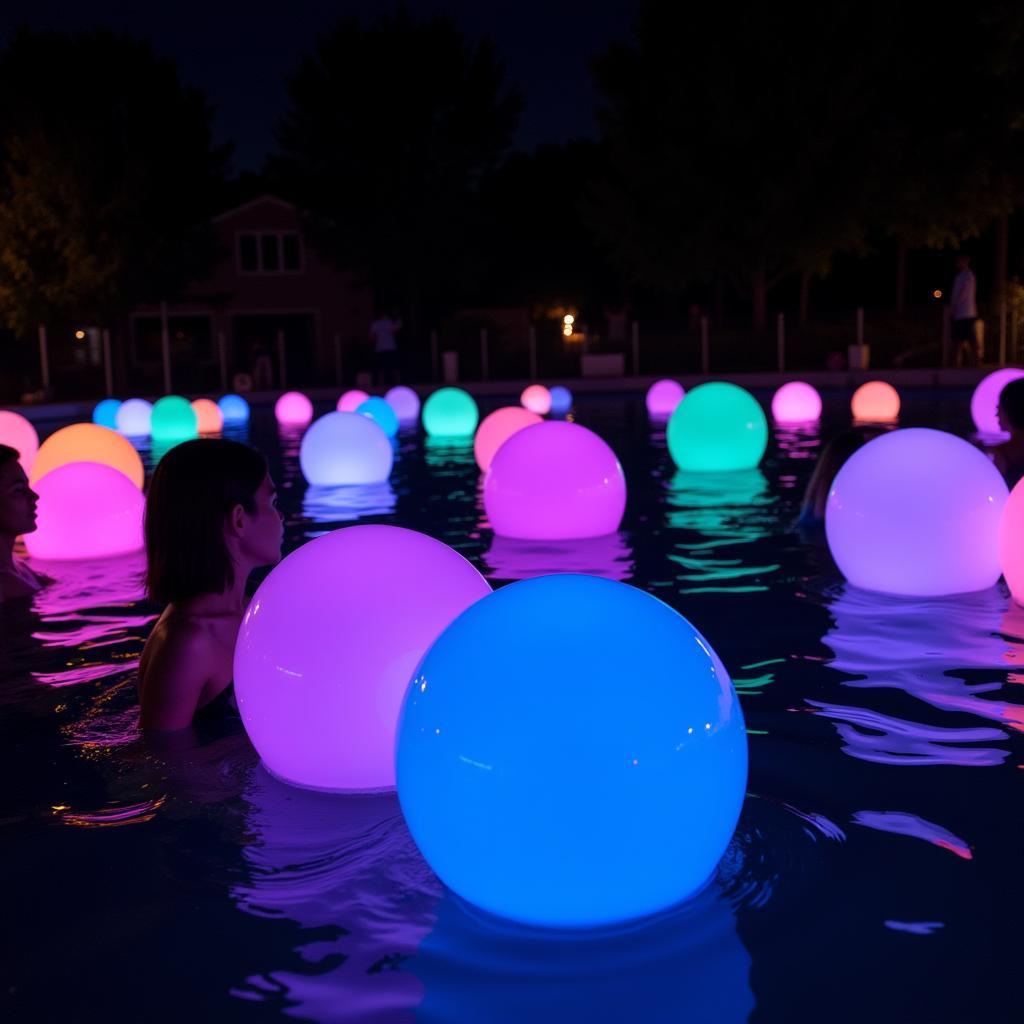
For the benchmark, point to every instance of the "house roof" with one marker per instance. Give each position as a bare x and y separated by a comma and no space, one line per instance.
259,201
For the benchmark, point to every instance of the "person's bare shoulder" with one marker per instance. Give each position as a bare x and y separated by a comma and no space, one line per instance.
176,666
13,585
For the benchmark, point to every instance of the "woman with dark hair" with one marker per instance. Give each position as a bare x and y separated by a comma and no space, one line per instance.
1009,456
830,461
17,516
211,518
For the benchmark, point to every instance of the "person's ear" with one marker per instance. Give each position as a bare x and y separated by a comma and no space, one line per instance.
235,521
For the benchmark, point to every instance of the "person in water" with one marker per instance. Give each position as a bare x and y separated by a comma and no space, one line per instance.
830,461
17,516
1009,456
211,518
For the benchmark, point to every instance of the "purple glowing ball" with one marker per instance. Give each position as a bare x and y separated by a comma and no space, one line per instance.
796,402
985,400
293,409
662,398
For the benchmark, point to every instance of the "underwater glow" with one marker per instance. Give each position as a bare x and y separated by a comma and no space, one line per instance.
105,413
234,409
209,418
497,428
985,399
351,400
544,739
554,481
875,402
450,412
1011,542
796,402
380,411
345,448
662,398
133,417
293,409
916,512
561,400
173,420
536,398
329,643
717,428
405,402
18,433
89,442
86,510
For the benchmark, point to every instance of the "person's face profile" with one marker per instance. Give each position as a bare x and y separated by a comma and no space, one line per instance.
17,501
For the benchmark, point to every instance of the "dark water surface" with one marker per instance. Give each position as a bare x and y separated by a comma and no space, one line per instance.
875,874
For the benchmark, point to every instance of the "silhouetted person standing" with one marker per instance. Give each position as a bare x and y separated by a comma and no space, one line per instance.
963,312
385,347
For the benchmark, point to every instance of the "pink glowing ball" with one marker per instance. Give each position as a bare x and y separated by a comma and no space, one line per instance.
662,398
329,644
351,400
554,481
16,432
497,428
536,398
293,409
86,510
875,402
1011,542
985,400
796,402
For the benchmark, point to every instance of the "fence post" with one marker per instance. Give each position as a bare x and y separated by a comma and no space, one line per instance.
44,358
533,352
484,369
705,348
108,369
282,364
222,355
433,356
165,347
636,349
781,334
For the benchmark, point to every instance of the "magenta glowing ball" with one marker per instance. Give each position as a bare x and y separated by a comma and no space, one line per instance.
1011,543
16,432
662,398
497,428
329,645
351,400
293,409
916,512
345,448
985,400
405,402
554,481
536,398
796,402
86,510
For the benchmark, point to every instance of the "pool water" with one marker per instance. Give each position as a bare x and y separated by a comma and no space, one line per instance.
875,873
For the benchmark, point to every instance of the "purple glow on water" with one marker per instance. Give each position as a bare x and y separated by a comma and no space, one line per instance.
903,824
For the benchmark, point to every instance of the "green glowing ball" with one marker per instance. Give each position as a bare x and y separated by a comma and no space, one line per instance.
173,420
717,428
450,412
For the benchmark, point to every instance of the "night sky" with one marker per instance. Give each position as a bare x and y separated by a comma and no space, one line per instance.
240,60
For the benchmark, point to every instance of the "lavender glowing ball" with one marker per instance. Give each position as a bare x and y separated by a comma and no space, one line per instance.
328,646
571,754
1011,543
174,420
104,414
351,400
133,418
86,510
497,428
234,409
293,409
561,400
796,402
18,433
380,411
717,428
662,398
916,512
89,442
209,418
345,448
554,481
985,400
536,398
875,402
405,402
450,412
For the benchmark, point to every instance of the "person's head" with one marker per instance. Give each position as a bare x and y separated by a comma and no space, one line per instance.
963,261
17,500
1010,411
211,517
830,461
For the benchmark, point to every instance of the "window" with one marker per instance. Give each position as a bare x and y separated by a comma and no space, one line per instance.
269,252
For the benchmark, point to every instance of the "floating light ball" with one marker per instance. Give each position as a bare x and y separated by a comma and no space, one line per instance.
571,753
18,433
875,402
351,400
234,409
450,412
561,400
329,643
86,510
1011,543
717,428
104,414
209,419
554,481
174,420
985,400
380,411
293,409
497,428
916,512
134,417
345,448
662,398
89,442
405,402
796,402
536,398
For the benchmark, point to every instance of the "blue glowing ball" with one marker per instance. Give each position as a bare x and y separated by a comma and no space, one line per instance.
234,409
561,400
571,753
133,418
381,413
105,413
345,448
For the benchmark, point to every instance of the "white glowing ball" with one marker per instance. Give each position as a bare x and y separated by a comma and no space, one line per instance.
916,512
662,398
497,428
134,417
293,409
796,402
16,432
345,448
351,400
985,400
405,402
536,398
1011,543
875,402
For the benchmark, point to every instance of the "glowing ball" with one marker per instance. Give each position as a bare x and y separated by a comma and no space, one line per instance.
329,643
405,402
234,409
351,400
572,753
1011,543
134,417
293,409
16,432
378,410
717,428
105,413
89,442
497,428
173,420
554,481
875,402
209,419
916,512
985,399
561,400
796,402
537,399
662,398
345,448
450,412
86,510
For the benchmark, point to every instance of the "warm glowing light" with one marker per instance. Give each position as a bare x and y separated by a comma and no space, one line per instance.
209,418
717,428
985,400
80,335
134,417
89,442
405,402
450,412
662,398
567,331
16,432
536,398
234,409
1011,543
569,319
379,410
796,402
497,428
174,420
293,409
351,400
937,294
345,448
875,402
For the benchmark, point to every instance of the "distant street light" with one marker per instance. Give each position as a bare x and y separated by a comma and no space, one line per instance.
80,335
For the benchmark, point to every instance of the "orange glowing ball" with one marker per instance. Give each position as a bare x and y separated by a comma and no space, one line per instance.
16,432
875,402
497,428
209,418
89,442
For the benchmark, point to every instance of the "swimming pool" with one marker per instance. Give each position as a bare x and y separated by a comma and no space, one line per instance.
874,874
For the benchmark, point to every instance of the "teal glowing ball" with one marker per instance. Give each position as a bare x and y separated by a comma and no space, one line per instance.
717,428
450,412
105,413
380,411
173,420
234,409
571,753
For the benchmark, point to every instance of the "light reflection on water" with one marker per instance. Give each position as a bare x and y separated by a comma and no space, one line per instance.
510,559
